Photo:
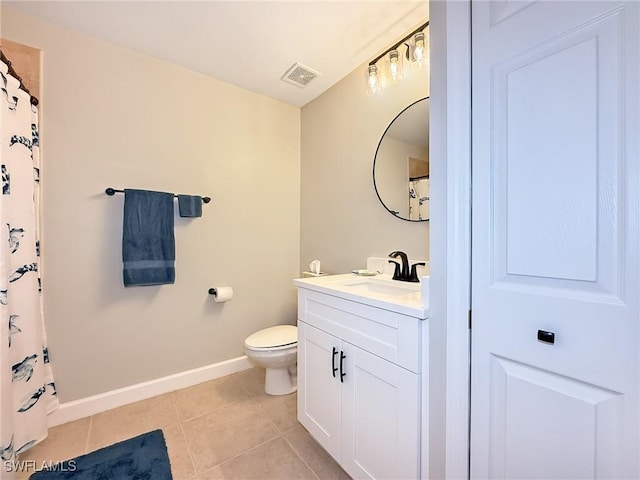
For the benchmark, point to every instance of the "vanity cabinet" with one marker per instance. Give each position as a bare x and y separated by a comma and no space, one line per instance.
359,384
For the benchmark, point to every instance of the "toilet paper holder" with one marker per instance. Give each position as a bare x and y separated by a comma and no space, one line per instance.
221,294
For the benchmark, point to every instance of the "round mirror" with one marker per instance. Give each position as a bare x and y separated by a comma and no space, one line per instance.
401,164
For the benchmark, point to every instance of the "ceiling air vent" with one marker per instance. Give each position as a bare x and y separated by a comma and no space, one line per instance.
299,75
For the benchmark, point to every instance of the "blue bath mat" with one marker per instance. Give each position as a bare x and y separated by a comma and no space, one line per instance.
140,458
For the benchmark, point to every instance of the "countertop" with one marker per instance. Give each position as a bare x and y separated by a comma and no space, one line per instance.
401,297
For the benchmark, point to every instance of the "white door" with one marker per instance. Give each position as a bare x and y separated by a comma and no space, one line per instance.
319,388
555,252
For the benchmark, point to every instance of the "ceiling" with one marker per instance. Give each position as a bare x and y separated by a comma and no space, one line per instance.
250,44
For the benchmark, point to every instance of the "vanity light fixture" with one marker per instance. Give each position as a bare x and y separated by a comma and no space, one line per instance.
415,51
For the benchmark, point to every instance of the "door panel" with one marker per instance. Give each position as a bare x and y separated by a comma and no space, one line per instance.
562,188
555,141
555,239
536,414
319,392
380,418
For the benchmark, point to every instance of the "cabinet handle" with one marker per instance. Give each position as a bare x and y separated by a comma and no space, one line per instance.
342,374
333,361
546,337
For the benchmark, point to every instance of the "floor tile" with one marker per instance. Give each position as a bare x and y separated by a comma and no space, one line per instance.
227,432
228,428
181,465
281,409
131,420
62,443
208,396
272,460
322,464
252,380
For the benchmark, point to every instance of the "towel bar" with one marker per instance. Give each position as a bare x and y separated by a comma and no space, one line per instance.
112,191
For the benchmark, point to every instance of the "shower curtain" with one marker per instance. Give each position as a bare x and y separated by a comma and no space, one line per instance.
419,198
27,390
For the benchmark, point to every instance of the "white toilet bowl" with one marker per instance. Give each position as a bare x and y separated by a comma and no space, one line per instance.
275,349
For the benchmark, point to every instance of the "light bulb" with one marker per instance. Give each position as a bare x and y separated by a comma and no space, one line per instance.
373,80
418,51
394,66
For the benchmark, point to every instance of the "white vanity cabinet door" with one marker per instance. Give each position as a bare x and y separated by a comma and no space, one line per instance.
368,420
380,418
319,392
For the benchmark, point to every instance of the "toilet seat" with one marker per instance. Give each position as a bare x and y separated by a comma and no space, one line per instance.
279,337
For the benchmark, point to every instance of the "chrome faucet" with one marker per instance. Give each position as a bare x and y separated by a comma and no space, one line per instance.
403,273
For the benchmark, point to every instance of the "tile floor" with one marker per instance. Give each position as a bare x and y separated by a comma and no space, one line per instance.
225,429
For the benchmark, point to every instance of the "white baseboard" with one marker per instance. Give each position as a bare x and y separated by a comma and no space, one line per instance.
88,406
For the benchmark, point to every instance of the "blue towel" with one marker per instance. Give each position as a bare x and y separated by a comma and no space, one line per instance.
190,205
148,245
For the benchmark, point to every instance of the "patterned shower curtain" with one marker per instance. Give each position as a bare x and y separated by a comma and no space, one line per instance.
419,199
27,391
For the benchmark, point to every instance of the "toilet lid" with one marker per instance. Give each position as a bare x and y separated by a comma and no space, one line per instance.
273,337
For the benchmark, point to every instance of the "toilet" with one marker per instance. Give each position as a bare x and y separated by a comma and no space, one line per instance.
275,349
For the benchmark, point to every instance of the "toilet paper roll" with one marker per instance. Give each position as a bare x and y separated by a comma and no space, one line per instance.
223,294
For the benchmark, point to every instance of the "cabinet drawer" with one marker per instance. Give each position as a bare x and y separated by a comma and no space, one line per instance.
389,335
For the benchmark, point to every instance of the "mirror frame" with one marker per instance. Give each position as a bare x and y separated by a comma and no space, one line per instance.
375,158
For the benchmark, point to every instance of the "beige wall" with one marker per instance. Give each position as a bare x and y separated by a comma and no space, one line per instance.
115,118
342,220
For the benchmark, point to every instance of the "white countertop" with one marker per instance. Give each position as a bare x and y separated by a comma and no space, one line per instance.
378,291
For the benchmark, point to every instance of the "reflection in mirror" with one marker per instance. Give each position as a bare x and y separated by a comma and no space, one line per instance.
401,164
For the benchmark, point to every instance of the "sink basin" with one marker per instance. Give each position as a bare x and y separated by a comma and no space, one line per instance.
384,287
